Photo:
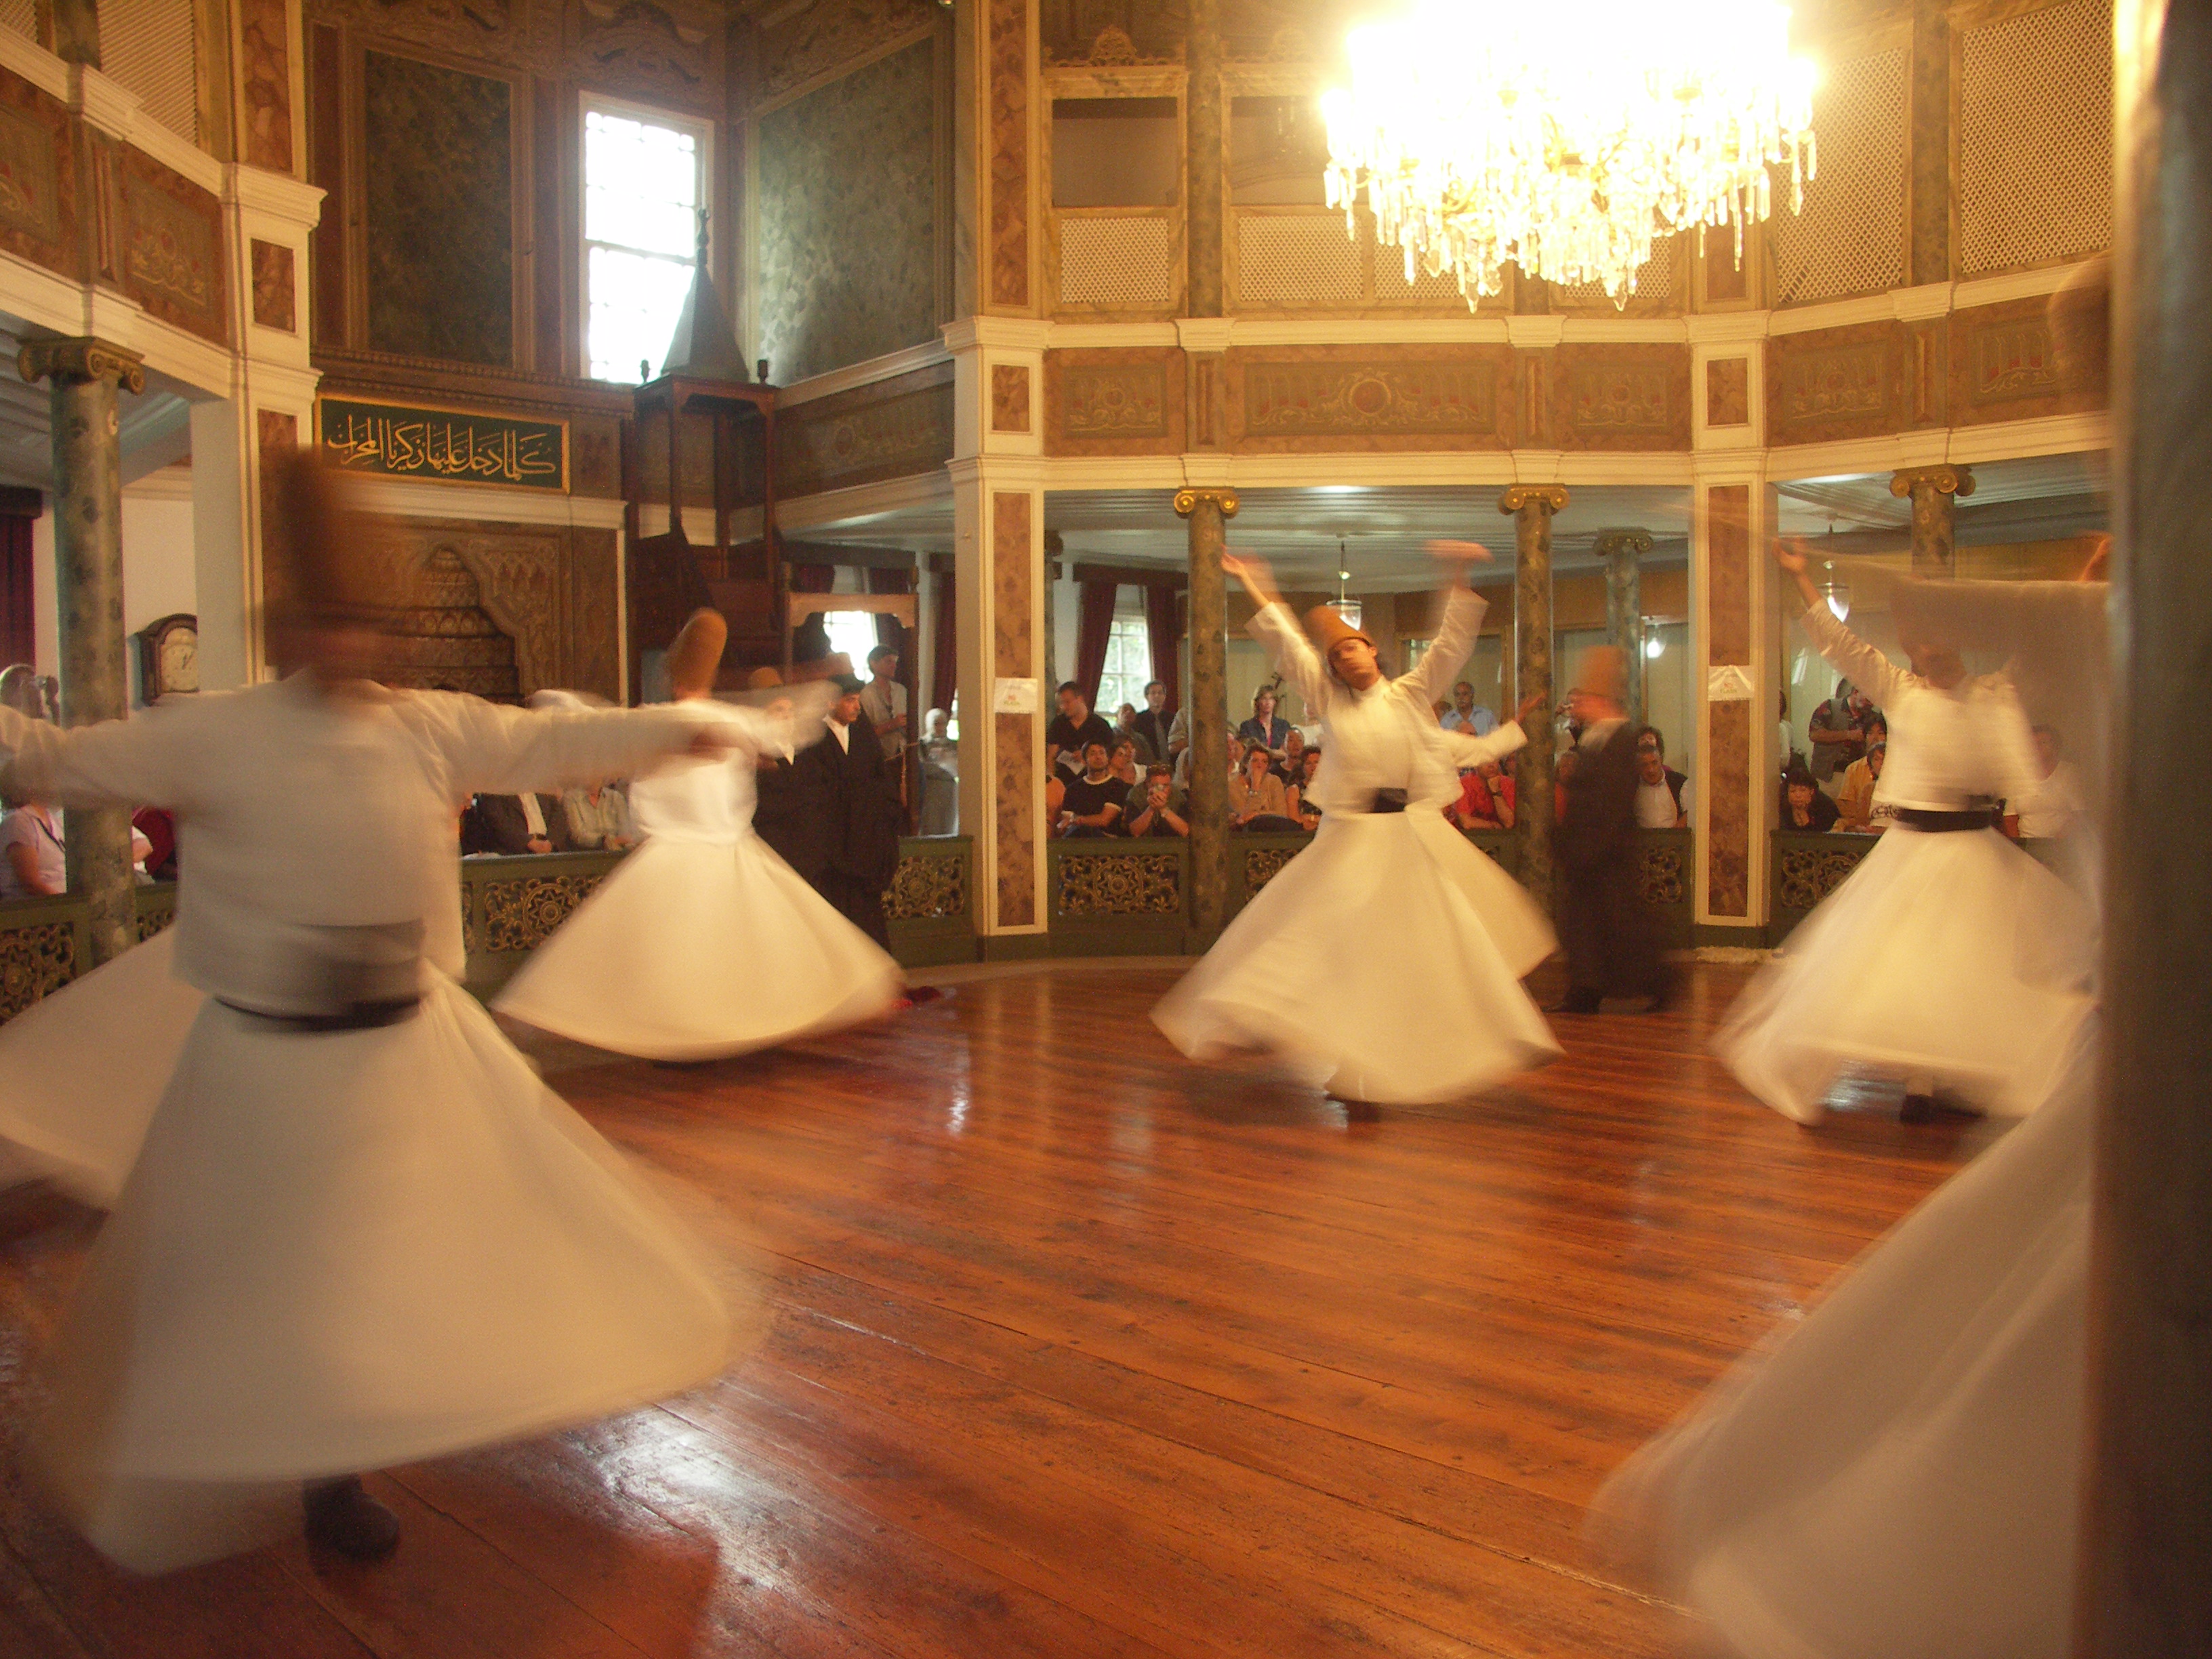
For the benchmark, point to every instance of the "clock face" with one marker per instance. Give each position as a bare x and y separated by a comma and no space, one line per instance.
180,660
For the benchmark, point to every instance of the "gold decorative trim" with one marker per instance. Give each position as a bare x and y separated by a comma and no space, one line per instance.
34,961
926,887
1517,496
81,358
1809,874
520,916
1946,480
1187,501
1660,875
1120,885
1263,864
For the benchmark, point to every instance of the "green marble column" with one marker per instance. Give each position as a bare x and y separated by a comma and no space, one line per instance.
1623,551
2145,1586
1531,506
1206,698
1933,492
88,376
1205,160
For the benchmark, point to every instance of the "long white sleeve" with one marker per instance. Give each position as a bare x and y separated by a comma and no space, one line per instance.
1467,749
142,760
490,749
1853,658
1464,610
1293,655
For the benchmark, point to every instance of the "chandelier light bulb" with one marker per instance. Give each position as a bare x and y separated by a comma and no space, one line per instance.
1569,139
1654,649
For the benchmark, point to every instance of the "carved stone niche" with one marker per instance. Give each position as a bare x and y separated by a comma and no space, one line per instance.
483,610
447,641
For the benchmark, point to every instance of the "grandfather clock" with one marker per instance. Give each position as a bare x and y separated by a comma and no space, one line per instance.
705,426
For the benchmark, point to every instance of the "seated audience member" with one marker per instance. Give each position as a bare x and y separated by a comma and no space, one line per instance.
1075,728
1092,803
2048,812
940,776
36,863
1056,792
1256,799
1486,799
1125,724
1265,727
1303,808
29,693
160,829
1182,764
1122,762
1854,804
1659,803
1464,716
599,819
1178,735
1155,728
1155,809
514,825
1292,767
1803,805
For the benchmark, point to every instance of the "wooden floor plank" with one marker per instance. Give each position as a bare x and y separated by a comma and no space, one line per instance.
1076,1350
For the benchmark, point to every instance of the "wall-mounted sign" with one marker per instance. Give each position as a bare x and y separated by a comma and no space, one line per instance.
1014,697
1728,683
457,446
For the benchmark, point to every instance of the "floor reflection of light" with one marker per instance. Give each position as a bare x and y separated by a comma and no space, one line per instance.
956,1120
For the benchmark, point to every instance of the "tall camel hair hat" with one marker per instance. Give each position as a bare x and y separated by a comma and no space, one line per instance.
695,654
1328,630
1602,671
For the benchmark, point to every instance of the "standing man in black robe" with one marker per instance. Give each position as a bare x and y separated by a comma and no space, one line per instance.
1612,936
852,841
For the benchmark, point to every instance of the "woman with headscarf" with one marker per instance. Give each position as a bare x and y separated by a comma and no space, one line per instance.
1385,960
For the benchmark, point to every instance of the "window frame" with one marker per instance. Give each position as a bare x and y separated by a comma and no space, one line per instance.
702,133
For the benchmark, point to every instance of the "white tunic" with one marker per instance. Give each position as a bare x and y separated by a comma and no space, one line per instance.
1315,967
703,943
341,1250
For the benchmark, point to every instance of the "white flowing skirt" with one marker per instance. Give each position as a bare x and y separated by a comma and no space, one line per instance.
695,949
1369,963
81,1071
1952,956
347,1250
1898,1478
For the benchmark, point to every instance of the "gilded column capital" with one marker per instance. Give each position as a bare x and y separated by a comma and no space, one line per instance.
1945,480
1188,498
81,358
1610,541
1517,496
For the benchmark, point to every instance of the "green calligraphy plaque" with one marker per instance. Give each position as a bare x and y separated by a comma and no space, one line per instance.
455,446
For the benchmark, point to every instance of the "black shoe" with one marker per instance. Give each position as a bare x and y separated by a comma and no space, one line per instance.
342,1517
1918,1109
1576,1002
1666,989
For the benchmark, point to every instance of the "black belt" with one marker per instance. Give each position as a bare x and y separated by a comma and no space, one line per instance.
361,1017
1387,800
1939,823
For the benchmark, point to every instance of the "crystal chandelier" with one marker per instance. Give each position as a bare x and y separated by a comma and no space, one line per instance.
1566,139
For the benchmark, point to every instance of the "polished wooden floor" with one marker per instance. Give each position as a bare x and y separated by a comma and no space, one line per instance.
1071,1348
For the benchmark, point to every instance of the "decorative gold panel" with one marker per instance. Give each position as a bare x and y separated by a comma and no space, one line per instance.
927,886
1835,383
1728,392
1007,26
1263,864
1101,402
34,961
1660,876
157,918
1809,874
520,916
1110,884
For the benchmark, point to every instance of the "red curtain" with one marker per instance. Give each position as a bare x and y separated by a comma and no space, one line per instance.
19,631
1094,628
945,671
1163,632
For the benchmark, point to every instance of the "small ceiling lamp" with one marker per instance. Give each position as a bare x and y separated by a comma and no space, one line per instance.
1566,139
1350,609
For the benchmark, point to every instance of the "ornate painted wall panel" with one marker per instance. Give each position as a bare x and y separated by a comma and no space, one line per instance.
1835,383
1008,251
2003,367
1728,724
265,75
814,40
1115,402
1362,398
434,292
891,429
1013,574
38,177
847,223
1624,397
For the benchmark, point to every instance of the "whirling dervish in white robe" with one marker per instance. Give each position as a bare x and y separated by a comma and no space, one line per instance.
1949,957
1899,1476
359,1230
1385,961
703,943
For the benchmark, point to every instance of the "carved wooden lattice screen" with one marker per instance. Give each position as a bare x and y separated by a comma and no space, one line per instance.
1850,237
1118,261
1296,259
2035,137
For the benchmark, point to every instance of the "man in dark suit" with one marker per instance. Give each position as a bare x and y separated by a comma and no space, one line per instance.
1611,935
840,785
502,824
